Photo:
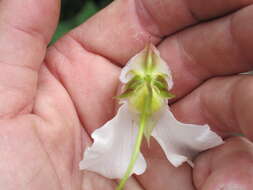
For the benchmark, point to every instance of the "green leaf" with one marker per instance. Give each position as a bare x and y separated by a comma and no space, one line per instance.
88,9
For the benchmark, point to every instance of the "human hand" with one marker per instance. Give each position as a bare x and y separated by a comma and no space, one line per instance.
52,99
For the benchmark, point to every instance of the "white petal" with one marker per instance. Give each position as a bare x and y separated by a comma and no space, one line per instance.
113,145
182,142
135,63
163,67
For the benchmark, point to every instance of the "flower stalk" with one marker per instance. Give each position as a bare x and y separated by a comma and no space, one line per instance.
135,152
146,91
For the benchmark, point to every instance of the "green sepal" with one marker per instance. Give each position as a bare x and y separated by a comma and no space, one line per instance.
166,94
131,86
160,85
148,130
125,94
161,80
134,82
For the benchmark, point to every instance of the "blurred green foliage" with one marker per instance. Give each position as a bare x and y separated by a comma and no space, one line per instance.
75,12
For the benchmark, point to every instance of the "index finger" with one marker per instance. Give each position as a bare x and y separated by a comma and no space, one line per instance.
124,27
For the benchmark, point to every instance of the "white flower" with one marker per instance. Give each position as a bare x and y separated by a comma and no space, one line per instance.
115,141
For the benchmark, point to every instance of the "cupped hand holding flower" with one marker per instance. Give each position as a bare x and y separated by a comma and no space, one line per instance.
53,98
115,152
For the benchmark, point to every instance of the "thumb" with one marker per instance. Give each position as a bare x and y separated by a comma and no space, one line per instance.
25,30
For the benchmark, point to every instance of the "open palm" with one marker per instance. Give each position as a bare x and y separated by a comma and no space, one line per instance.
53,98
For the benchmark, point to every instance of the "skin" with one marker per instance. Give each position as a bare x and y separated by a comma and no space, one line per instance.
53,98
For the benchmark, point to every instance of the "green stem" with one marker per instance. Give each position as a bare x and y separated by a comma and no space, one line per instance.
136,152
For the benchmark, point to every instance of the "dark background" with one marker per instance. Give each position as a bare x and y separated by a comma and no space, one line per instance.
75,12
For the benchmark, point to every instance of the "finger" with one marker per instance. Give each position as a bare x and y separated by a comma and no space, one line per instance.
160,174
122,29
224,103
94,181
90,80
25,30
228,166
220,47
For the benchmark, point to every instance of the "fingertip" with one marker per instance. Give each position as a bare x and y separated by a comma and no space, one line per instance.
201,170
227,167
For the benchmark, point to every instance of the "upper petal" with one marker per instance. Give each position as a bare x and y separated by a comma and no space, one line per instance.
113,145
182,142
135,63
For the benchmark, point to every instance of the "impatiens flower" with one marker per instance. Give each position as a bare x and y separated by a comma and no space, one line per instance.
144,112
